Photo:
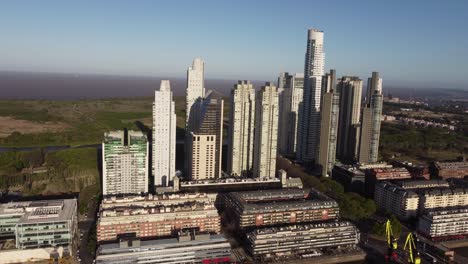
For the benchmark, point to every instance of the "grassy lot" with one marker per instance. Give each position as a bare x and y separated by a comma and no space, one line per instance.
64,171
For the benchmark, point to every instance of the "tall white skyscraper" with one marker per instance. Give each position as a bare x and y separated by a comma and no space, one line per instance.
328,124
241,129
350,90
125,163
290,90
309,118
164,135
206,141
266,132
195,90
371,119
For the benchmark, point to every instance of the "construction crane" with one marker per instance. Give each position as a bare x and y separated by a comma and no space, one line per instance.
391,242
410,247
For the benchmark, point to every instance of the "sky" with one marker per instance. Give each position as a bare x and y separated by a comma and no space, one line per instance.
415,43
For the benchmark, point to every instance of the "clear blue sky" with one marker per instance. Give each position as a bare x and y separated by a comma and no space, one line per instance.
409,42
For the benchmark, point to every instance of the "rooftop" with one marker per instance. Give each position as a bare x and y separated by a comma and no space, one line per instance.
41,211
282,199
297,227
452,165
159,244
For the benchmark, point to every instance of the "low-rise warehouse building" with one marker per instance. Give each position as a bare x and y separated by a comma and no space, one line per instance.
188,247
447,170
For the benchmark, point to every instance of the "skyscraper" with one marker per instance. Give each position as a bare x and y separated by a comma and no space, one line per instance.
266,131
164,135
371,118
206,140
290,90
350,90
328,124
124,163
241,129
195,89
193,97
309,118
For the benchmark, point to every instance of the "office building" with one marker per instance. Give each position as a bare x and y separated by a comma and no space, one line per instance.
266,132
309,117
350,176
290,90
187,247
241,129
125,163
371,118
350,90
328,124
195,91
206,140
156,217
446,170
164,135
301,239
39,224
443,225
278,207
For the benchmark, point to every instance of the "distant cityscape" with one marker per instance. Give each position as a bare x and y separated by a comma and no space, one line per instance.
257,209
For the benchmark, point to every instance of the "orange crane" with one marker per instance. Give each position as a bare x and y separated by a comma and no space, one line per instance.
391,243
410,247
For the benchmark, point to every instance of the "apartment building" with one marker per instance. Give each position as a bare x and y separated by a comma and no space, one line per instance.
161,216
268,242
445,224
284,206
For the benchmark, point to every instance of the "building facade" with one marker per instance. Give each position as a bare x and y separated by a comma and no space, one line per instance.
309,118
159,217
328,124
371,119
186,248
350,90
206,141
266,132
164,135
125,163
290,90
241,129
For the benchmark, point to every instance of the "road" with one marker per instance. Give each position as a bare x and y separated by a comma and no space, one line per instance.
84,227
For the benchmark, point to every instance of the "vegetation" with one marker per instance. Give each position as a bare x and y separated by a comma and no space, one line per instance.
379,228
62,171
421,144
352,205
